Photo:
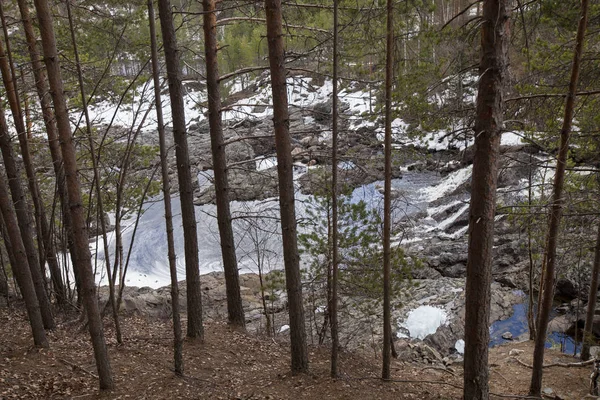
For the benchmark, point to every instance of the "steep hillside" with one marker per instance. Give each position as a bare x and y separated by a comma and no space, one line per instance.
234,365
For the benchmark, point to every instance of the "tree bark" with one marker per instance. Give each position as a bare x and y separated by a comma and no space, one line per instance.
195,328
177,335
4,285
24,219
530,314
111,282
50,125
46,250
333,307
20,267
80,232
488,131
291,258
547,289
588,337
234,298
387,198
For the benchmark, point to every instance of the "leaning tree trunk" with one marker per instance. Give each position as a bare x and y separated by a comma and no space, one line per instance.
184,174
333,306
232,282
387,196
20,267
41,84
588,337
24,218
178,340
286,186
556,211
100,205
488,131
46,250
80,232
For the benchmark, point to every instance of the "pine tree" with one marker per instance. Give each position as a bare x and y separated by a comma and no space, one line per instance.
547,289
195,328
80,232
488,131
234,298
299,351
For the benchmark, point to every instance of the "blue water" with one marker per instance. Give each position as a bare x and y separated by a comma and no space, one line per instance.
517,325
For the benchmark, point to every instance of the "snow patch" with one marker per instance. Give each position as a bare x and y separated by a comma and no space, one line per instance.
450,183
423,321
511,139
460,346
263,163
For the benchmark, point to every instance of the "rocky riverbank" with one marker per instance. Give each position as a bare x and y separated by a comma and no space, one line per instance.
360,318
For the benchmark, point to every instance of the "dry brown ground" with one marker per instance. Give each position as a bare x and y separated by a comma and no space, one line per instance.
232,365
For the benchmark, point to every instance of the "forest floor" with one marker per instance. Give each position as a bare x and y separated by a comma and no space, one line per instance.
234,365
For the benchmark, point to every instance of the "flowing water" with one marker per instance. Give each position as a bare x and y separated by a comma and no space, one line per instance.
517,326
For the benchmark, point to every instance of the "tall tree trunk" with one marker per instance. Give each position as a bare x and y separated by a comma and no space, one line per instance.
530,314
195,328
50,125
24,218
488,130
556,210
100,205
10,254
121,185
46,250
232,283
20,267
588,337
286,186
333,307
4,285
387,195
80,232
26,106
177,335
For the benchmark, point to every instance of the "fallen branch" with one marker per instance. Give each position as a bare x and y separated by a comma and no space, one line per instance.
564,365
77,367
514,396
422,381
439,369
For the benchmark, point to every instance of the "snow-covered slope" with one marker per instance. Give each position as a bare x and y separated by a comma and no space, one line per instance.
419,192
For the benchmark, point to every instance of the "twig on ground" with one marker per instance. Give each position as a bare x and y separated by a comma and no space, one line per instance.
498,372
77,367
564,365
443,369
514,396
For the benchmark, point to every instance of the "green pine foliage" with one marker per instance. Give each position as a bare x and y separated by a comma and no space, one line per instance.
360,253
